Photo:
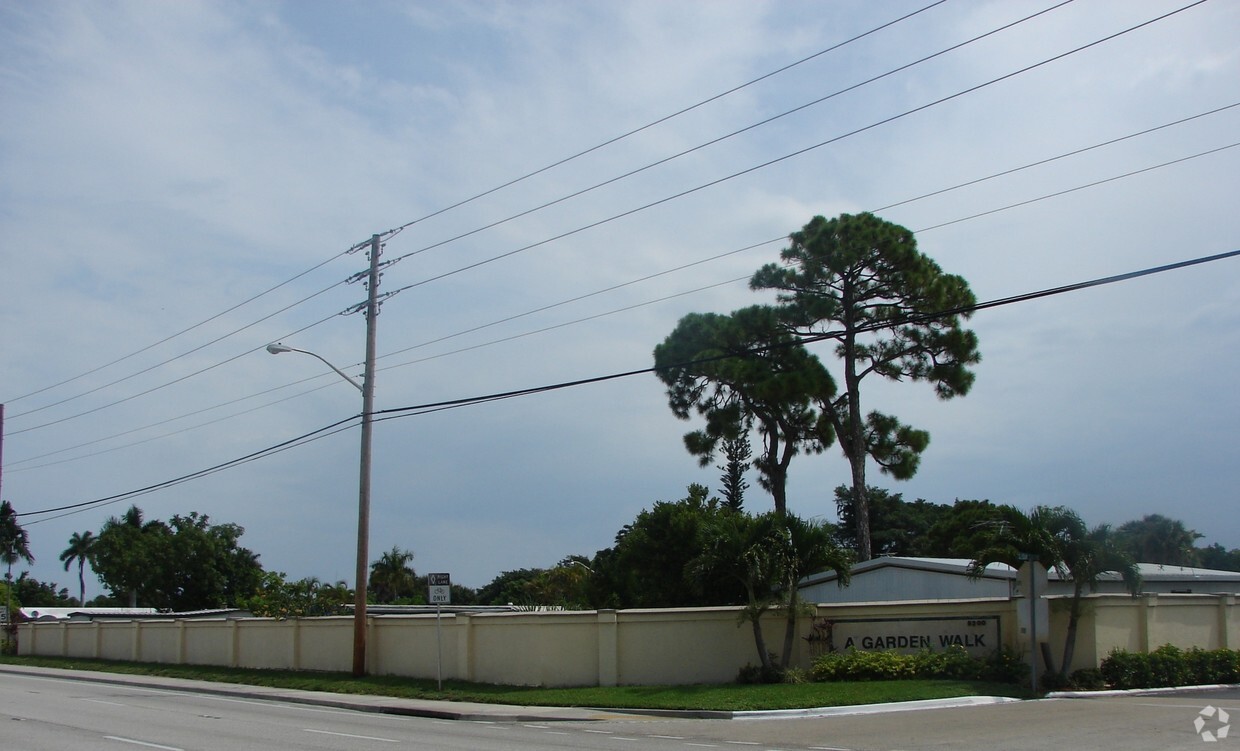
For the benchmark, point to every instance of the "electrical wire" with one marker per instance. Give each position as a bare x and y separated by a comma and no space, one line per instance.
170,337
15,466
153,389
313,435
666,118
422,409
799,152
725,137
397,291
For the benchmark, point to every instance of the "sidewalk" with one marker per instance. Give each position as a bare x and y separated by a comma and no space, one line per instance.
468,711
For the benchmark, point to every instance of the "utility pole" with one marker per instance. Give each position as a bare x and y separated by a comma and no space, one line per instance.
363,502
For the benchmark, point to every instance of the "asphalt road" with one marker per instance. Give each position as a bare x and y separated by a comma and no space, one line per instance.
52,712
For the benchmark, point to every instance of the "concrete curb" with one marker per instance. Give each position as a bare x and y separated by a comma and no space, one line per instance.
1140,691
475,712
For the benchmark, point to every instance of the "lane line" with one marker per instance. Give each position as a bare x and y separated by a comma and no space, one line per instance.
350,735
141,743
101,701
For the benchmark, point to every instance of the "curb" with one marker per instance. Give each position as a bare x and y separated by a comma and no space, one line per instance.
474,712
1140,691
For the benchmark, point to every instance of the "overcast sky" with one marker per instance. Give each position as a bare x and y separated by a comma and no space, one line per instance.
180,182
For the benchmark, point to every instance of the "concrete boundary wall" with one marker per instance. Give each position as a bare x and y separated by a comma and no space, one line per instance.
625,647
1145,623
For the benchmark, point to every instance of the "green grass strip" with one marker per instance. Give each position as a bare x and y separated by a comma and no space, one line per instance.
717,697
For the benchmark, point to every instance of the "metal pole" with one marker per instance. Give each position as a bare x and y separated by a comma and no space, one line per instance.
1033,624
363,503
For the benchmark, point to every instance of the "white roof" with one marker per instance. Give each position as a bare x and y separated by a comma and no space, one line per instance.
960,566
62,614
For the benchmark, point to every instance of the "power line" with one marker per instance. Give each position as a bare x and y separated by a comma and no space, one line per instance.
646,278
153,389
174,359
322,432
1083,187
421,409
173,336
509,183
722,138
684,193
799,152
1065,155
663,119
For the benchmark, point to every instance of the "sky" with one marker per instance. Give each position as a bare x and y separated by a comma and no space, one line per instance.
555,185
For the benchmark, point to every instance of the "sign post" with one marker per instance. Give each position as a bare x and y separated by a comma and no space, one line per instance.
440,594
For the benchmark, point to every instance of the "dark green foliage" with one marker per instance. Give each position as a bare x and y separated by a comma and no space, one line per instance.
1157,539
1217,557
952,663
1060,539
744,372
277,597
767,555
896,527
969,526
509,588
1170,666
392,580
80,551
14,541
769,671
1086,679
32,593
649,567
892,312
184,564
732,482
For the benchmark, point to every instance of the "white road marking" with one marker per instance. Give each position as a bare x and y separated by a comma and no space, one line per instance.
669,737
349,735
141,743
101,701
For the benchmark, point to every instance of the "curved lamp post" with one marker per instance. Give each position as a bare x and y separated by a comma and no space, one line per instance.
279,349
363,503
367,387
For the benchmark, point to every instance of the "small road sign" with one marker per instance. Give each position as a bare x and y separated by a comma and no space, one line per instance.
440,589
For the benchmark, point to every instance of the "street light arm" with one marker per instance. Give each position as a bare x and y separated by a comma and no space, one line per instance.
277,349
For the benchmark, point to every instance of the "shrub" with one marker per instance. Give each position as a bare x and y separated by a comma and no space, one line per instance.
751,674
1170,666
1087,679
952,663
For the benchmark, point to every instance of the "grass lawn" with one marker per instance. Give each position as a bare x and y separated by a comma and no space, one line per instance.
725,697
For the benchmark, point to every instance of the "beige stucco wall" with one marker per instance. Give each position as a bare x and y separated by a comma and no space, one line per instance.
1146,622
627,647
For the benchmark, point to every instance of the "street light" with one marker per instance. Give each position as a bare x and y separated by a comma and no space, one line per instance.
367,387
279,349
363,503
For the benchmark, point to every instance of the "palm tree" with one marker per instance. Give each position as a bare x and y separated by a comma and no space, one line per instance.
80,550
14,547
1061,540
767,555
391,577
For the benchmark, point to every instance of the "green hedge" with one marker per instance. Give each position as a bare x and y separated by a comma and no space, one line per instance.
954,662
1170,666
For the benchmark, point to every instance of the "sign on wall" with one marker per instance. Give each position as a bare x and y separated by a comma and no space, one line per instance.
979,635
